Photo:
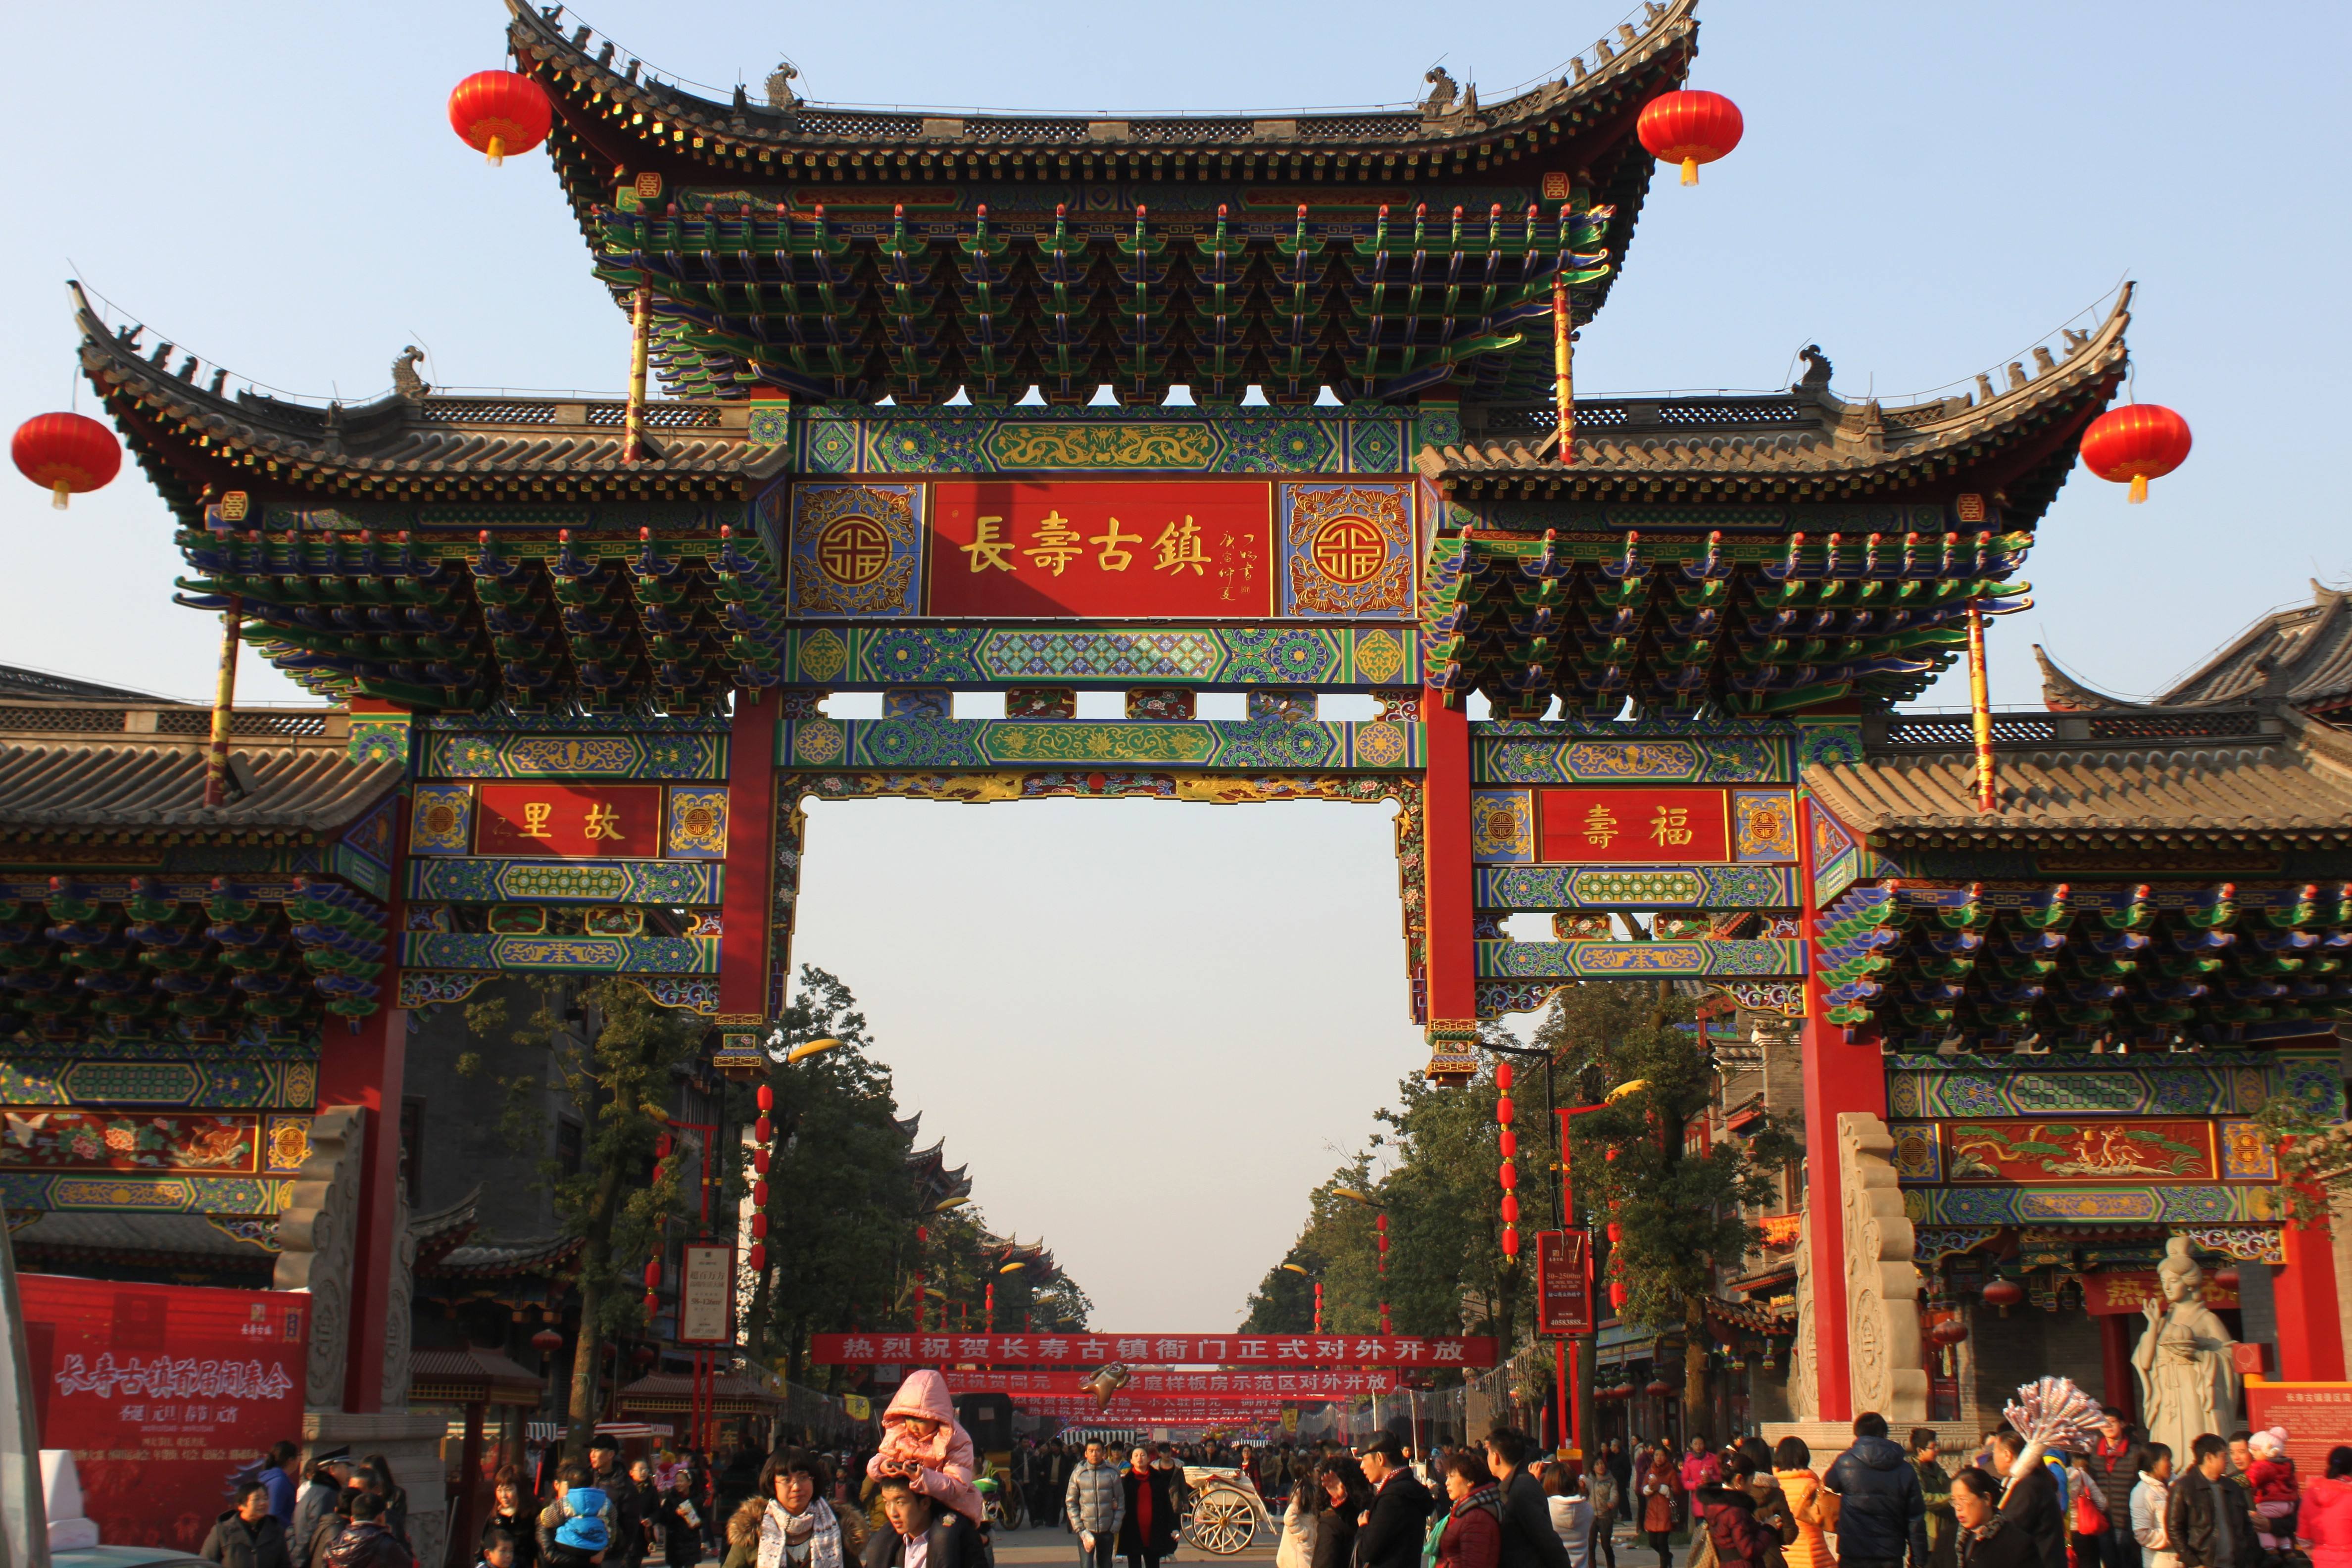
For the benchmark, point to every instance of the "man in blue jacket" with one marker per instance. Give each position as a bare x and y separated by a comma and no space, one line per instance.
1882,1513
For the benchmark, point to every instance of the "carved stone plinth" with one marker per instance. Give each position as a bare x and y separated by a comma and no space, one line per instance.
1885,1353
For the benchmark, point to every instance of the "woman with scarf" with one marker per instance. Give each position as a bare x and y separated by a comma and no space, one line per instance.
788,1523
1655,1486
1474,1525
1987,1539
1147,1530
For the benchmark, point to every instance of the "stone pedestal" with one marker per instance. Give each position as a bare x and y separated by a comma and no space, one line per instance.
411,1445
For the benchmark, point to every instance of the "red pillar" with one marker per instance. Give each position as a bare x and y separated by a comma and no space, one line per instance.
1452,953
368,1070
2122,1392
2302,1297
746,915
1839,1078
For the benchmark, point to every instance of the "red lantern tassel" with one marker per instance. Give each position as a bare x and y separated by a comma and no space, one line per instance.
1690,169
2139,490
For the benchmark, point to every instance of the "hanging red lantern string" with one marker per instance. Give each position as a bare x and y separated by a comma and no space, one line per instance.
499,112
763,1132
759,1257
66,455
1510,1174
2139,442
1689,128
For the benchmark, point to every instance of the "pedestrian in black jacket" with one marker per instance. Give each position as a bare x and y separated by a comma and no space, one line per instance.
1882,1512
2209,1517
1390,1533
1986,1540
1529,1539
249,1535
949,1540
2031,1501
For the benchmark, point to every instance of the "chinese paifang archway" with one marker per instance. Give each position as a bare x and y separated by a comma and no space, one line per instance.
578,650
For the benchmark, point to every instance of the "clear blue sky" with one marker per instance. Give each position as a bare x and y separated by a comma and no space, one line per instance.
1150,1028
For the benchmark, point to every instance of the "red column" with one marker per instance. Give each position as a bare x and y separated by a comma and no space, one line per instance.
1838,1077
1452,954
2302,1297
368,1070
746,913
2116,1364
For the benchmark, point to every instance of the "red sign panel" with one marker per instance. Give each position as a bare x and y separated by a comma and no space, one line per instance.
2037,1153
1149,1384
1563,1282
1091,1351
569,821
2317,1417
2126,1289
1636,826
161,1392
1124,550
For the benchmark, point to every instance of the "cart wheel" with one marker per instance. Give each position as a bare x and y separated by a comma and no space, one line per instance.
1224,1522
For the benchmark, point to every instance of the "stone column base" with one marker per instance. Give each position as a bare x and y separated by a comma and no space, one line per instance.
411,1445
1828,1439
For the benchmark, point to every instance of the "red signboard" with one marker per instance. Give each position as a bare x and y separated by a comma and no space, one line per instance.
569,821
1563,1282
161,1392
1125,550
2019,1152
1091,1351
1149,1386
2317,1417
1624,826
2127,1290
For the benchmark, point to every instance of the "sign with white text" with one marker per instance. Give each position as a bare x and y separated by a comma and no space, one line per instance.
1090,1351
706,1294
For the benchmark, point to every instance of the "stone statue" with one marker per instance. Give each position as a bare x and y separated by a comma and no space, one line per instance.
2188,1383
781,96
1441,94
405,379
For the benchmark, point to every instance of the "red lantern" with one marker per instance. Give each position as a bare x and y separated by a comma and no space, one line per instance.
653,1305
547,1341
1510,1241
645,1355
759,1257
499,112
760,1227
1949,1331
2226,1276
1510,1208
2003,1294
758,1194
653,1274
759,1160
767,1100
1616,1294
1508,1175
1380,1224
1616,1233
1504,1073
1509,1143
2139,442
1690,128
662,1147
763,1133
66,454
1660,1388
1505,1111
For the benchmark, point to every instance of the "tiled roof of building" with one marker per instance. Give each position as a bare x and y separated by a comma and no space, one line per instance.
1808,439
40,683
2290,788
75,782
484,1260
136,1237
2301,655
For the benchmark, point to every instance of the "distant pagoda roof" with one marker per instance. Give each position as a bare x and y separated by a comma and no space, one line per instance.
844,253
2300,655
934,1181
2018,440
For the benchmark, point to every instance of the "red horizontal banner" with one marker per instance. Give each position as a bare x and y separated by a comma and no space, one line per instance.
568,820
1636,826
1150,1386
1126,1411
1124,550
1091,1351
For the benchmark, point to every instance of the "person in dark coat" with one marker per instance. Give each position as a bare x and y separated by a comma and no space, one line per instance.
1726,1510
1392,1528
1986,1538
949,1540
1147,1530
316,1504
365,1542
1473,1532
2209,1516
1882,1513
1529,1539
512,1512
2033,1501
249,1535
1342,1498
672,1512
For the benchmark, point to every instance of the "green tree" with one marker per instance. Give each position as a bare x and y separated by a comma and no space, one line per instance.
1676,1206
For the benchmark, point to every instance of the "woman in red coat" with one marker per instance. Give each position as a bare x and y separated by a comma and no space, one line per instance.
2326,1519
1474,1527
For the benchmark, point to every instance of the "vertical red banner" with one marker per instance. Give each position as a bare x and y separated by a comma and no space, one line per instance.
163,1392
1564,1282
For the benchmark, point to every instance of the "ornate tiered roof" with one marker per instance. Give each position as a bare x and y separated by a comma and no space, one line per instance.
2300,655
840,253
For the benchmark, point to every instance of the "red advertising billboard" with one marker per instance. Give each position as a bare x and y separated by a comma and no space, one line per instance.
1115,550
163,1392
1564,1281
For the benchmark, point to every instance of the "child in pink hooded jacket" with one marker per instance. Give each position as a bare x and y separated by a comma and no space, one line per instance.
922,1441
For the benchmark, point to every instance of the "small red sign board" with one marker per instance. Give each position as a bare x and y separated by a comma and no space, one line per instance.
161,1392
706,1294
1624,826
2127,1290
569,821
2317,1417
1564,1281
1116,550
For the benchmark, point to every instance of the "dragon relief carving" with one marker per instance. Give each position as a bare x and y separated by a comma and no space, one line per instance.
315,1238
